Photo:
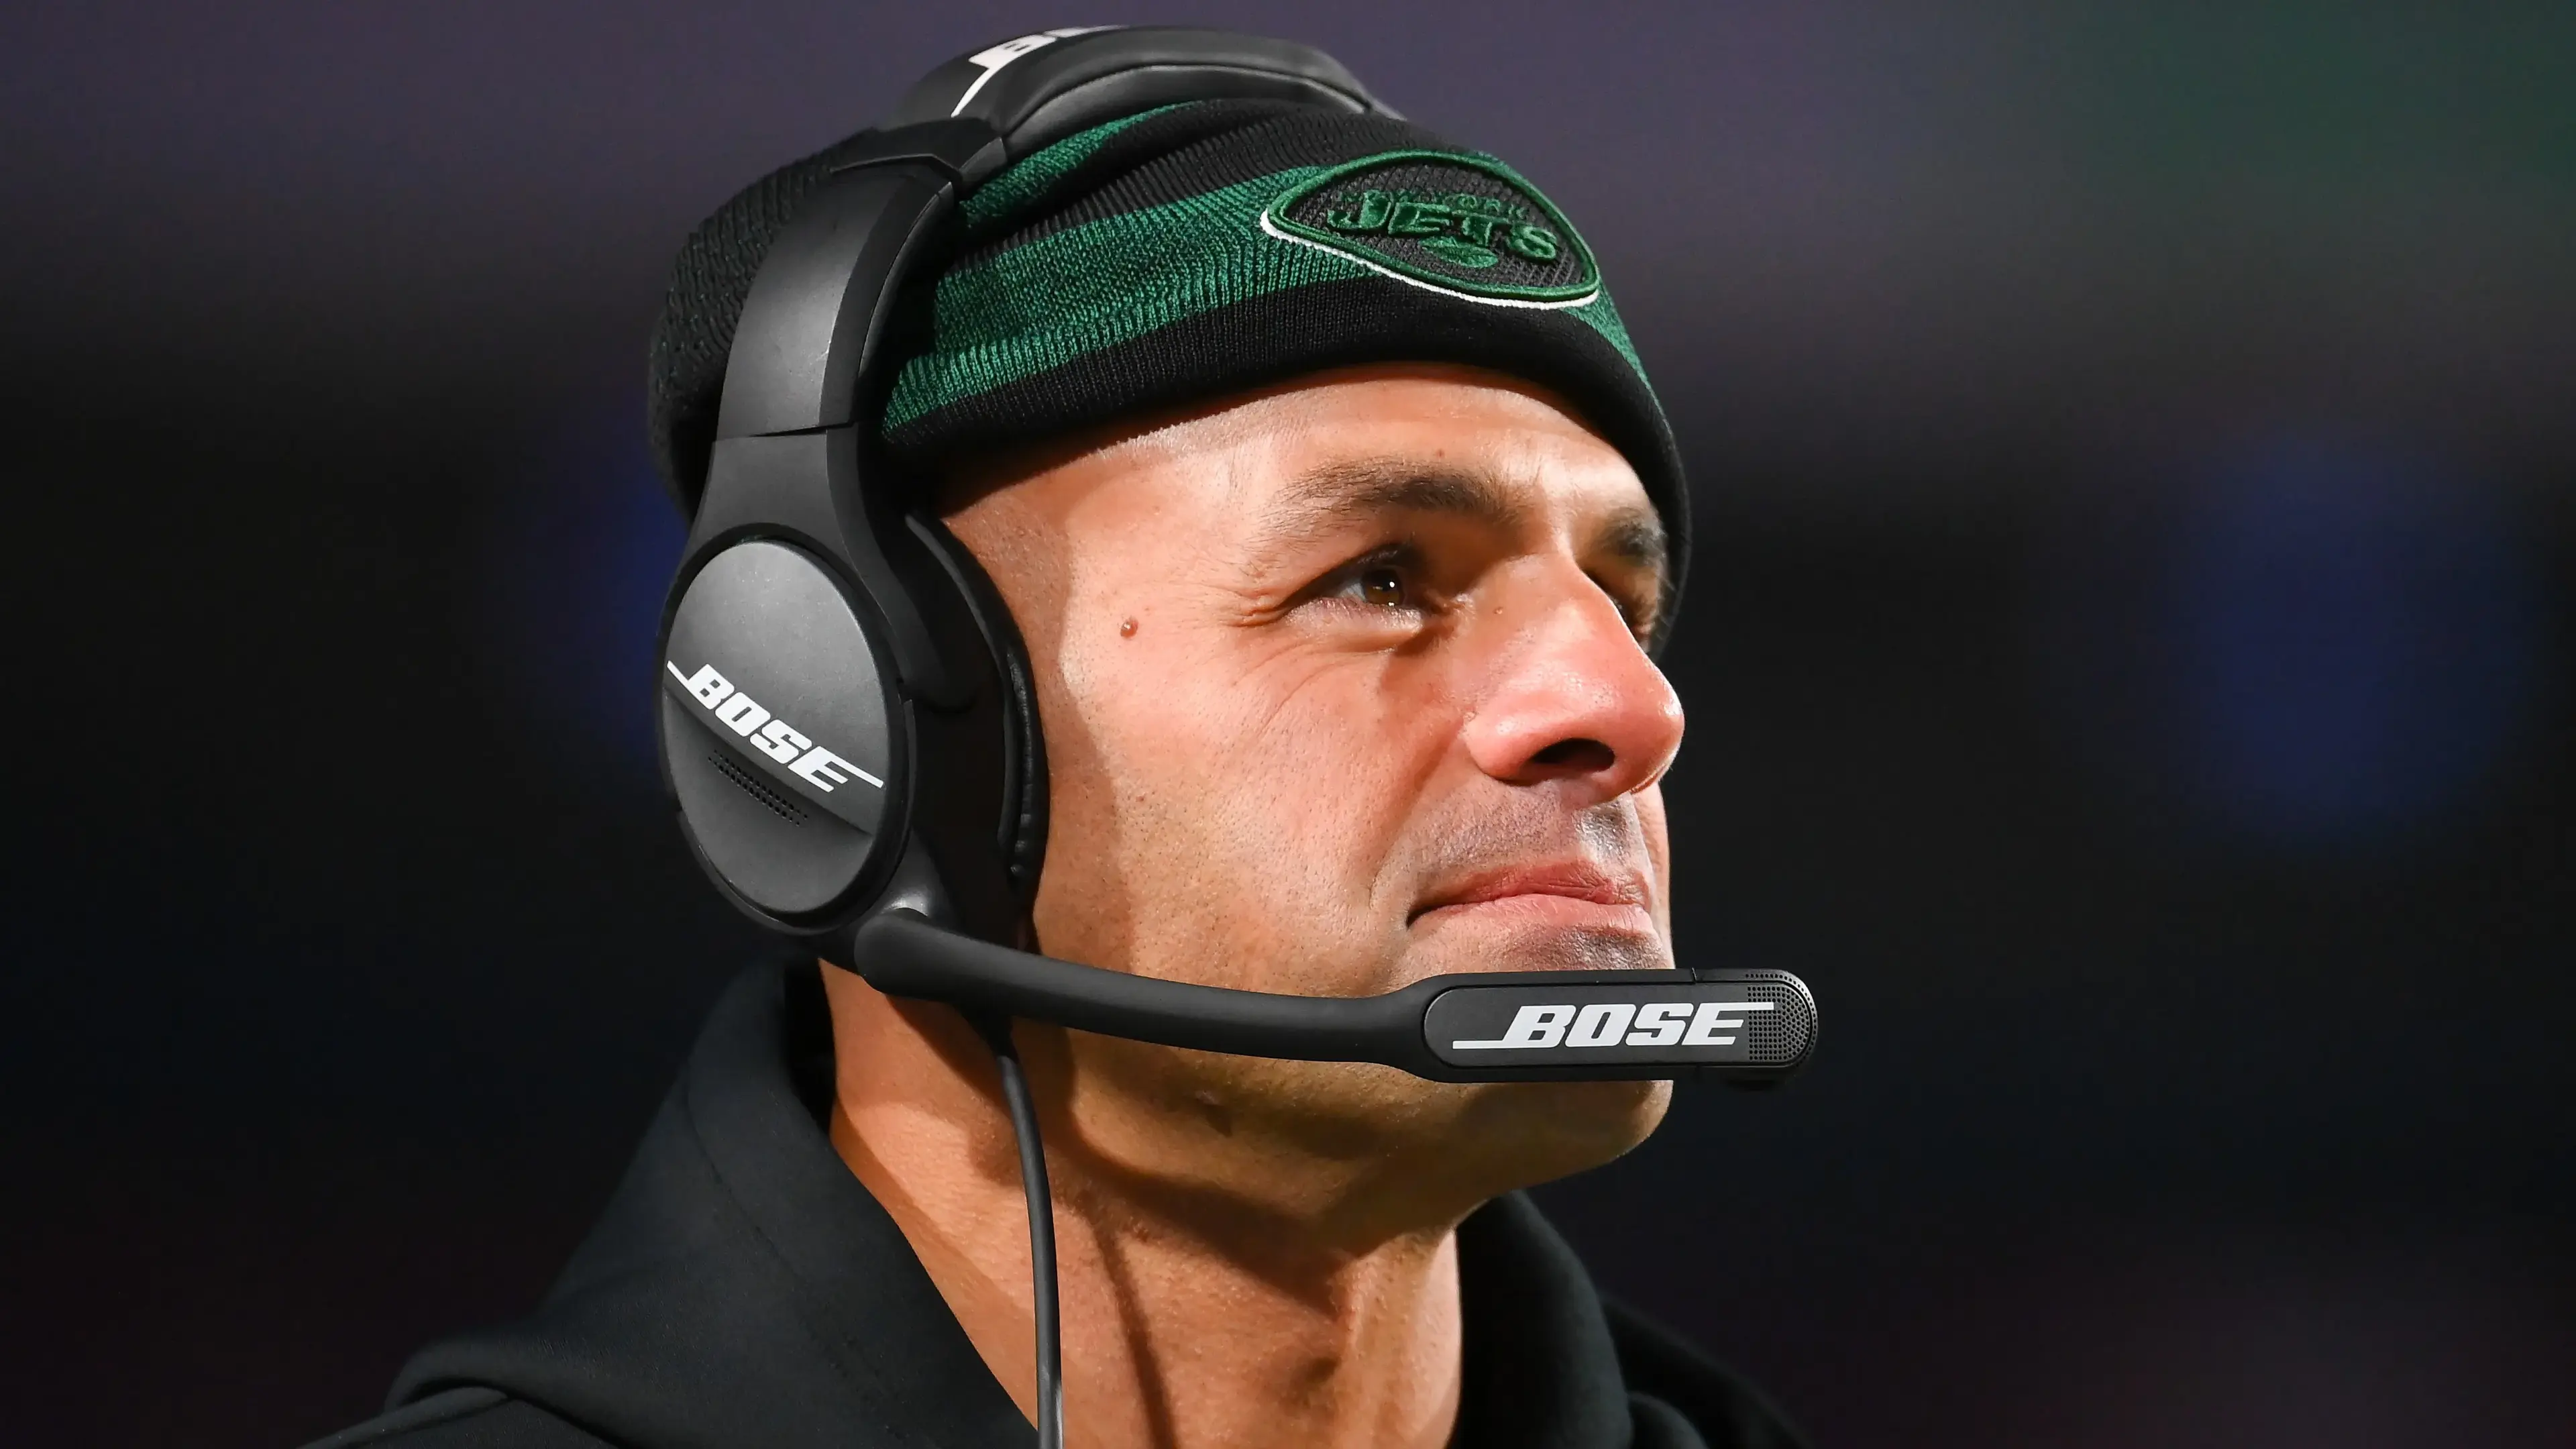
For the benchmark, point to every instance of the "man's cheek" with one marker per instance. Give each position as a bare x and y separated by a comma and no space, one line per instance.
1333,790
1652,824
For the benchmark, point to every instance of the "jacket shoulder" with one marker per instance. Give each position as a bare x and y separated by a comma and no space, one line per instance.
1660,1364
467,1418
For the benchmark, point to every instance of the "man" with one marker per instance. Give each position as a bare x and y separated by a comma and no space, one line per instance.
1337,554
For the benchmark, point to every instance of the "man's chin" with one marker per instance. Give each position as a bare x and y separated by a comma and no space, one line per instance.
1526,1133
1535,1132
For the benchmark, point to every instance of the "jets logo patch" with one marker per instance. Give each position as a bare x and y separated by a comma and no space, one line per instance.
1455,224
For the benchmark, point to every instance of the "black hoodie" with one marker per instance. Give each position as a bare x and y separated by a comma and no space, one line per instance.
743,1289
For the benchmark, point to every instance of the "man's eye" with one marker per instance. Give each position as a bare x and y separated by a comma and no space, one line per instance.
1386,582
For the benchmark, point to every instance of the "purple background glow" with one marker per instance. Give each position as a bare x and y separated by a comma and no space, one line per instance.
2128,676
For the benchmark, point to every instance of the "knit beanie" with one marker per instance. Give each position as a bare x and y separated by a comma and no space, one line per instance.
1188,253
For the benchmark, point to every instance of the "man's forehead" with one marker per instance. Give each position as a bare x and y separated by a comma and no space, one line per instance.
1603,504
1314,456
1434,411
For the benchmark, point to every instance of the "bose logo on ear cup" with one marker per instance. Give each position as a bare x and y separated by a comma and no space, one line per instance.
767,733
1607,1023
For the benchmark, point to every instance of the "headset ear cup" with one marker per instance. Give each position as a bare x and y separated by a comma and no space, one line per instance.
782,740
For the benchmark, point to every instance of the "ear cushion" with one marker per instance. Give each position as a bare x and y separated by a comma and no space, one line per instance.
1022,829
1025,849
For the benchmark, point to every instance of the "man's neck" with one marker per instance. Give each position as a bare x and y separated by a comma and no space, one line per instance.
1195,1313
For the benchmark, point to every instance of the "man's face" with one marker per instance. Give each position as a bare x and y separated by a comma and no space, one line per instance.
1342,687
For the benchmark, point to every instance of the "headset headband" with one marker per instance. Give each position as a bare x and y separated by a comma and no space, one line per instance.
819,307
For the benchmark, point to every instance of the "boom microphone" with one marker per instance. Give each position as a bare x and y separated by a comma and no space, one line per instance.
1749,1028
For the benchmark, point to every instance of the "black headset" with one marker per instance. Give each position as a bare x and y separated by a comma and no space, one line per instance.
848,723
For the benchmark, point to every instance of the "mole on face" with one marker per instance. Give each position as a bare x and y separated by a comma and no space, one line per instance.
1127,630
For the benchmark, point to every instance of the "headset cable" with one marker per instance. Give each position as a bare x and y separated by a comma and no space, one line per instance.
1033,1184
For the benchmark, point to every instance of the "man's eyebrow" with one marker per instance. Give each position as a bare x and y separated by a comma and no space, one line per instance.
1332,496
1338,493
1634,536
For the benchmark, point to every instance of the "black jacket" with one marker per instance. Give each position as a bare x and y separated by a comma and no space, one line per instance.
744,1289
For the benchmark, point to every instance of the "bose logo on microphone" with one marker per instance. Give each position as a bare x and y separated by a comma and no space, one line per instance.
767,733
1620,1023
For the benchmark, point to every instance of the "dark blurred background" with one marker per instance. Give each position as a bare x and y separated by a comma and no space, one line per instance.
2129,676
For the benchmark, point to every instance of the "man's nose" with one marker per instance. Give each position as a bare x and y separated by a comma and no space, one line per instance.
1573,698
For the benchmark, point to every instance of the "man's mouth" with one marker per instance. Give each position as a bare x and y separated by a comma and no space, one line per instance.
1569,893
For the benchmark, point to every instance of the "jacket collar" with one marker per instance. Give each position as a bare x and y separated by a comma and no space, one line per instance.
744,1288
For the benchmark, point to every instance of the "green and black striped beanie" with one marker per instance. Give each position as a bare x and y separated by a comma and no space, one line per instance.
1188,253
